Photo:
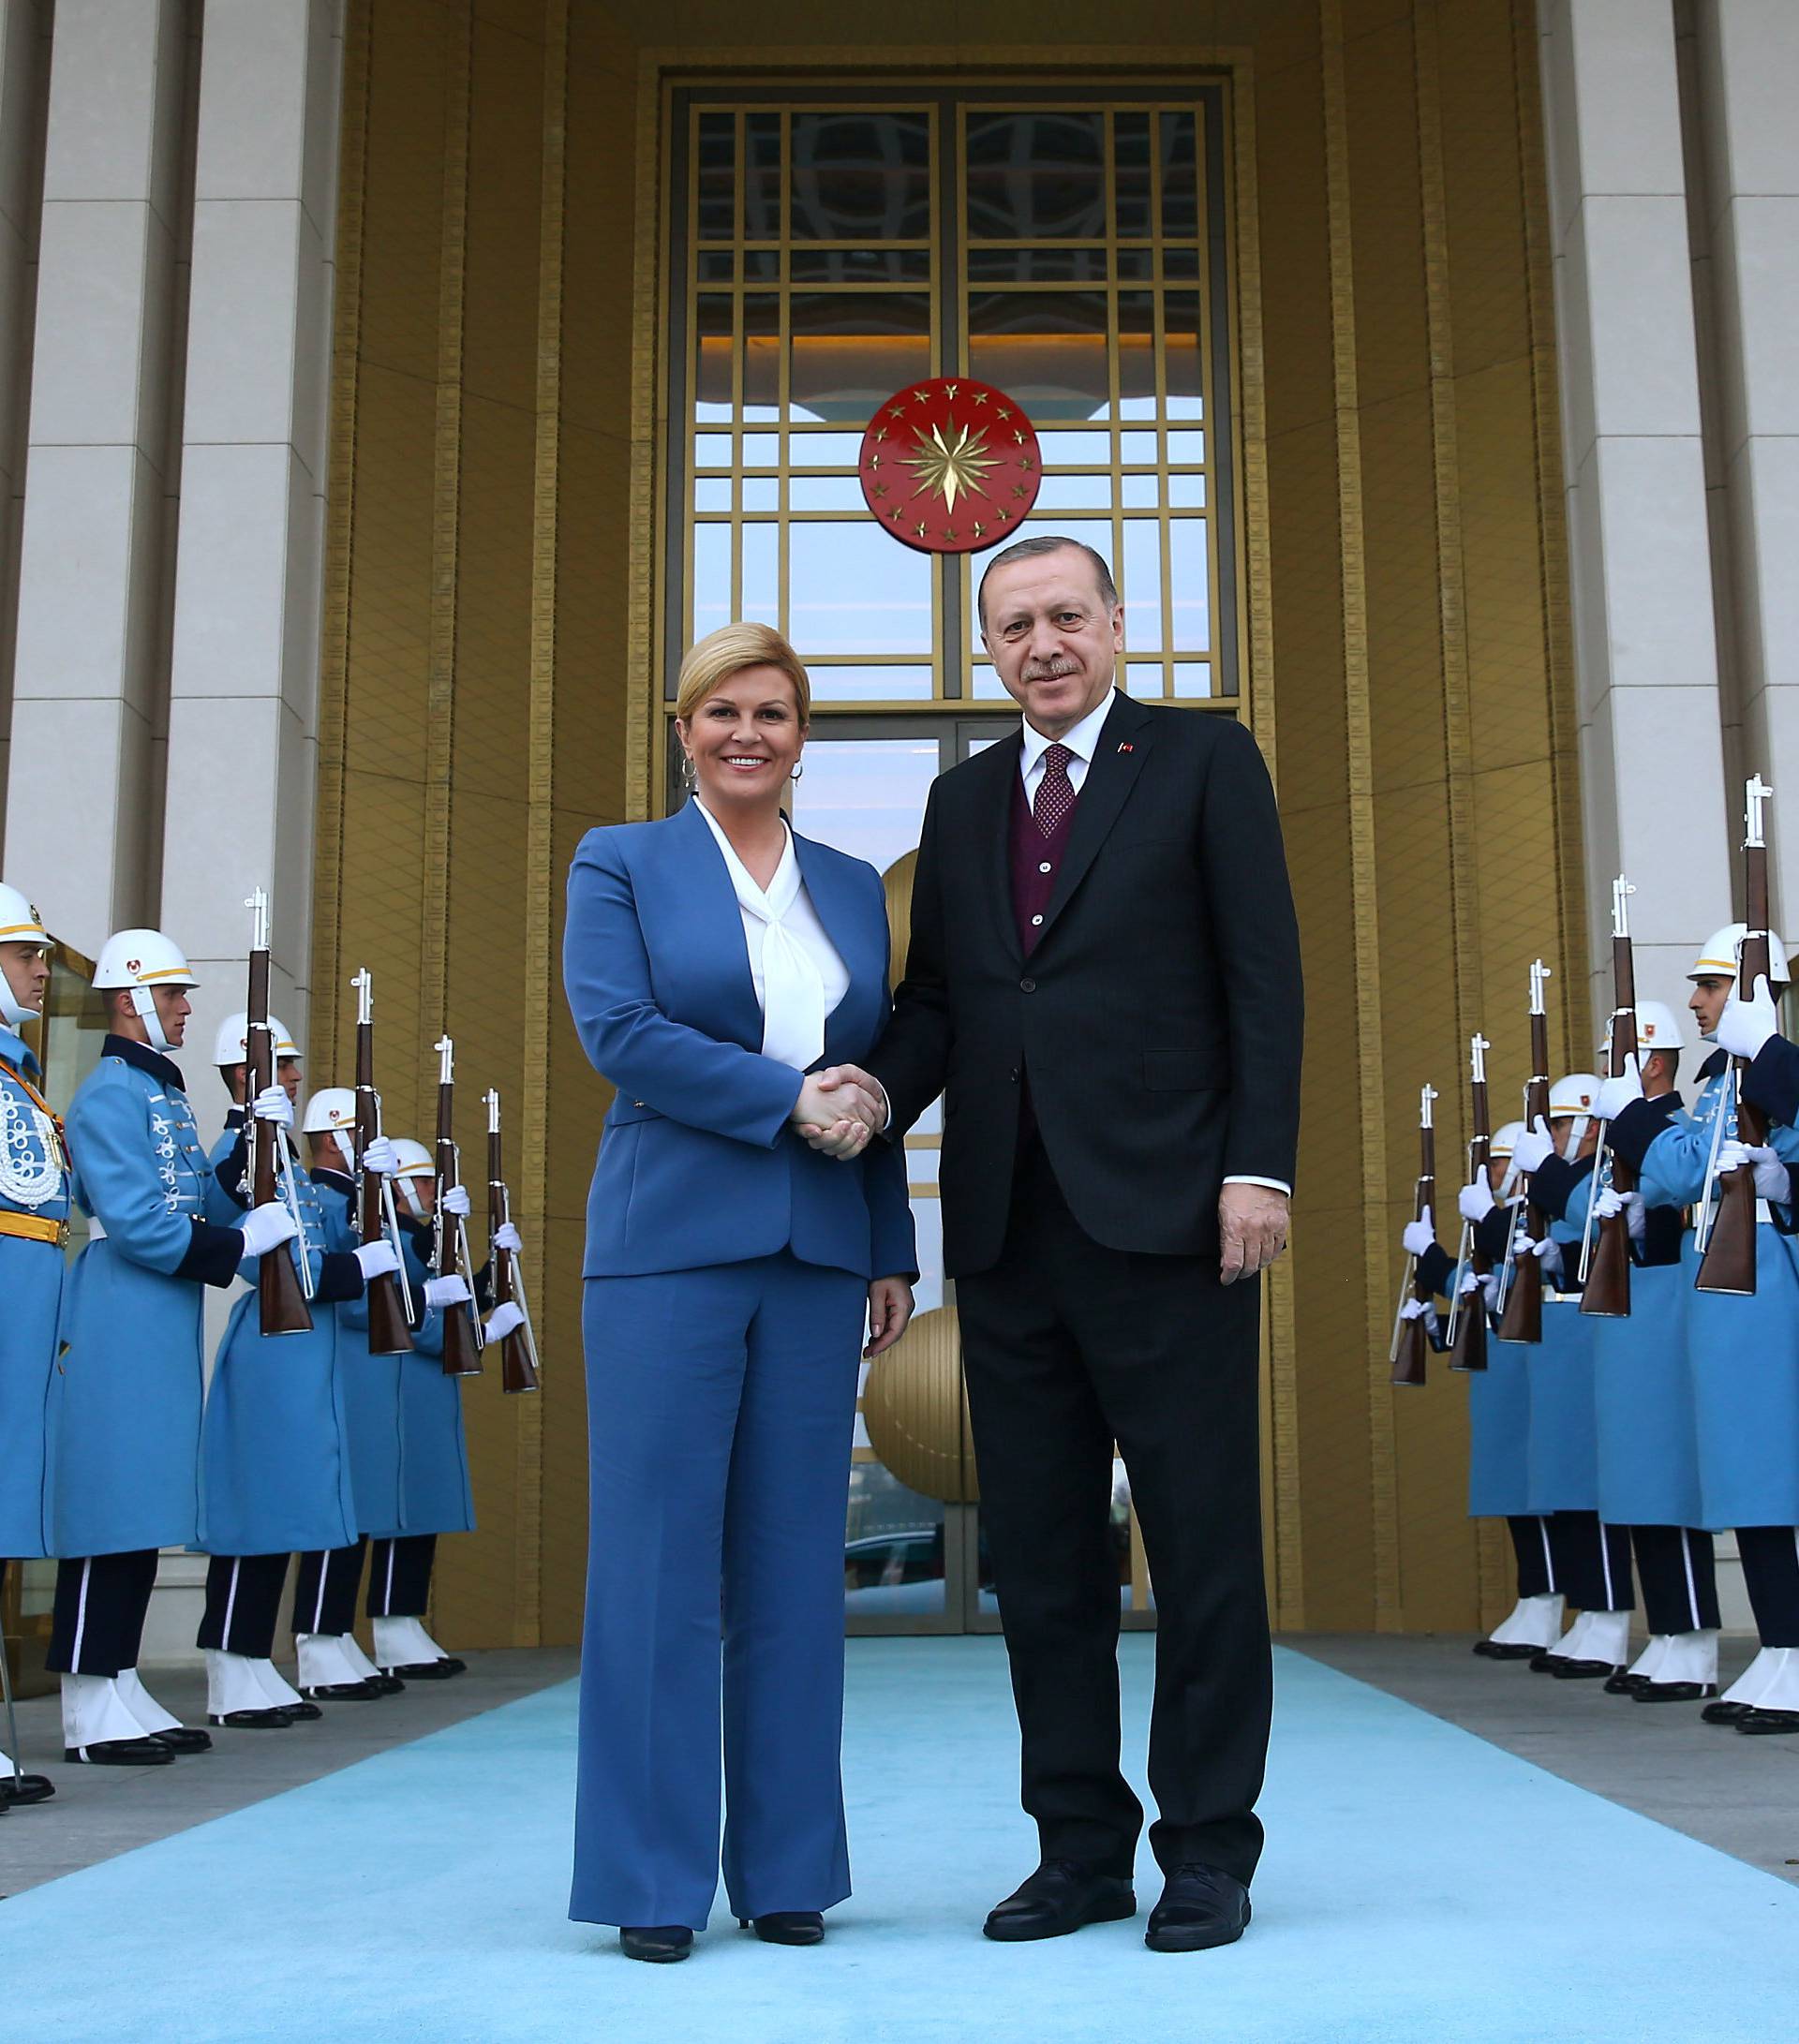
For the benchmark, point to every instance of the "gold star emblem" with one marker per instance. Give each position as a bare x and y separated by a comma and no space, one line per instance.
896,410
874,461
1003,413
951,467
1018,489
894,514
923,397
980,397
1017,435
1024,462
979,528
880,489
949,532
919,528
950,389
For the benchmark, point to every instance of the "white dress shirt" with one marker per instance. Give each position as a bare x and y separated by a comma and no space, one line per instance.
1081,741
797,971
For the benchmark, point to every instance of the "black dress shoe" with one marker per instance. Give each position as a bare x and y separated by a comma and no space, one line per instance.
1201,1908
385,1685
182,1738
344,1692
1505,1649
272,1719
423,1671
1626,1684
1544,1663
1760,1723
1722,1712
121,1752
658,1943
1060,1897
788,1927
1584,1671
22,1788
302,1712
1675,1692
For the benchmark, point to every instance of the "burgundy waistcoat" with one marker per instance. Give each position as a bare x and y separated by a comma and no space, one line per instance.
1035,861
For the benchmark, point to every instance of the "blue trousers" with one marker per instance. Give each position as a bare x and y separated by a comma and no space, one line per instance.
720,1407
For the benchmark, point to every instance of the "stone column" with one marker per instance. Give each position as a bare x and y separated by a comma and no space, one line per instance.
1655,797
24,62
243,734
1746,89
90,666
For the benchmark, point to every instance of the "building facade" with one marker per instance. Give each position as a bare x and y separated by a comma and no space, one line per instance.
390,389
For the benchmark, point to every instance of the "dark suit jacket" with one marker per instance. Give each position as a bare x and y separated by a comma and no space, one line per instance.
1159,1018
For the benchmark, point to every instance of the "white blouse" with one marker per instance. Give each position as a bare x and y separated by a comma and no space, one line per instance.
797,973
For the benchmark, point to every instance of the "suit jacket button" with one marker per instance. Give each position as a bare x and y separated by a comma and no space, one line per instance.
1014,1074
1028,986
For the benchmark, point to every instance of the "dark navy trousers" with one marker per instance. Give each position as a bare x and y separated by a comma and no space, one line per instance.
720,1409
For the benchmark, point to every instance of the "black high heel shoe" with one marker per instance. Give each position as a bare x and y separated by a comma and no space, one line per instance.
660,1944
787,1927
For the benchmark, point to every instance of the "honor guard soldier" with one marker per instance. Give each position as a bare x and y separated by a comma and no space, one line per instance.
431,1484
1498,1405
34,1231
275,1459
1648,1455
1593,1557
128,1393
333,1666
1741,1351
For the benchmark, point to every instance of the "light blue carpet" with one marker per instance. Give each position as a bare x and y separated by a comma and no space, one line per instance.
1418,1884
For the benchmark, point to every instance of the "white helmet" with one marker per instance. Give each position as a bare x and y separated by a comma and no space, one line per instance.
233,1043
1657,1029
20,923
1573,1097
142,960
416,1161
331,1111
1504,1141
1722,953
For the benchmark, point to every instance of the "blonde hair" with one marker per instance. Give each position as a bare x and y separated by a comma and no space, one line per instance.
728,651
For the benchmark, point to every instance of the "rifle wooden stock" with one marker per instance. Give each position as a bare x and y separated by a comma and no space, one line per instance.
1522,1319
1411,1351
281,1305
388,1333
1468,1350
517,1363
1729,1263
461,1344
1606,1292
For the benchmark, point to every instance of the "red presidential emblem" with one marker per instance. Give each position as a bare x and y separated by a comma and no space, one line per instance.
950,465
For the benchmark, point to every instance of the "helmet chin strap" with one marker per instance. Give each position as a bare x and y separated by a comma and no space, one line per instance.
411,1198
345,1149
12,1009
145,1001
1576,1135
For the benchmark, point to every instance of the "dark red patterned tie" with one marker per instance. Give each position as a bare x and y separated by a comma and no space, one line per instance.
1055,794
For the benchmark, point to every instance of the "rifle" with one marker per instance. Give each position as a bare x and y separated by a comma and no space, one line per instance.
1523,1317
517,1350
1468,1319
1411,1344
390,1298
283,1287
462,1329
1605,1263
1728,1209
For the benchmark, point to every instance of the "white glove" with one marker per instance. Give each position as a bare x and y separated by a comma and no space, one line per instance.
1549,1253
455,1200
1610,1202
507,1237
503,1319
1490,1291
1419,1234
272,1104
380,1157
1617,1094
266,1227
1471,1281
377,1259
1414,1308
1535,1147
1629,1205
1771,1179
1746,1026
442,1292
1475,1202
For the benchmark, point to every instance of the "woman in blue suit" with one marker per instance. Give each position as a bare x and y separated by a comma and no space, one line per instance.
712,961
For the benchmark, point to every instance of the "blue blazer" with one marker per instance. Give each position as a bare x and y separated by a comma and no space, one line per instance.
698,1162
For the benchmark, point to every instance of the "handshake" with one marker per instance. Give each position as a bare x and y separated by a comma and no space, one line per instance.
840,1110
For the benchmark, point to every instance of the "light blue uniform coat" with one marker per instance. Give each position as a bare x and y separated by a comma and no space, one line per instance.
1564,1438
126,1399
1742,1354
275,1463
371,1387
1642,1394
436,1496
33,1180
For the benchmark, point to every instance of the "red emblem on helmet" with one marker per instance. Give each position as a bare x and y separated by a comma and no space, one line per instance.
134,965
950,465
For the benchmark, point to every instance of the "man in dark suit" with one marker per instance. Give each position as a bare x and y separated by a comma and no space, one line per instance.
1104,983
